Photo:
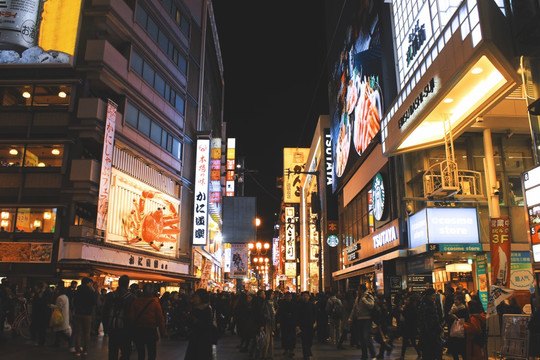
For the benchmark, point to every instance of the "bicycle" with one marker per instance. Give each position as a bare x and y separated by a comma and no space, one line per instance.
21,324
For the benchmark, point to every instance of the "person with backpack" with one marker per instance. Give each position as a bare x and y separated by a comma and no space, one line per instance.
334,308
118,304
475,331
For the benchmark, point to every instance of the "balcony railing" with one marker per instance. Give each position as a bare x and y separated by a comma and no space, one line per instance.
444,179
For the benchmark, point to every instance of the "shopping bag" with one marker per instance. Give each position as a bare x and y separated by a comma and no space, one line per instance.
458,329
56,318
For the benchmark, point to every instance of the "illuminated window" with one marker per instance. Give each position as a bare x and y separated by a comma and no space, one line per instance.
35,95
43,155
7,219
35,220
11,155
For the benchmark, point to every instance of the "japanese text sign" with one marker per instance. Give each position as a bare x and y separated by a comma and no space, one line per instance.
200,211
294,163
290,234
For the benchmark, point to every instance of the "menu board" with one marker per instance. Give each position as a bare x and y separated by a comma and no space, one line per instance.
515,336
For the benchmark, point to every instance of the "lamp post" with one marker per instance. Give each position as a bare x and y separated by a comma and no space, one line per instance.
258,252
316,209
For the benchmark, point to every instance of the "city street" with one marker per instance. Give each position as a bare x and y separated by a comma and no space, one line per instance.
19,349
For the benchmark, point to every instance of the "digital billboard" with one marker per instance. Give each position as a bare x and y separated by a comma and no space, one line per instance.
356,99
38,31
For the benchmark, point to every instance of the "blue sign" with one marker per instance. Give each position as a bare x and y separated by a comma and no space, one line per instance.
460,247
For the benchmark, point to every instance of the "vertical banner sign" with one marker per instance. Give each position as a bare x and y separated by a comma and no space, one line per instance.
106,166
215,171
205,276
294,162
230,167
290,234
227,257
328,156
531,185
482,273
275,251
200,213
500,251
239,261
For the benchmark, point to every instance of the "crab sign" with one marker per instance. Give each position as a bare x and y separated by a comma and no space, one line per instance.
153,227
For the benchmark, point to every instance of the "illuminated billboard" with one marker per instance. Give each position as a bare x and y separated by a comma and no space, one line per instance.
356,99
294,165
200,204
141,216
38,31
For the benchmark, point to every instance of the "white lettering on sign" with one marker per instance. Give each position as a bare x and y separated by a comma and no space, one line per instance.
385,237
328,158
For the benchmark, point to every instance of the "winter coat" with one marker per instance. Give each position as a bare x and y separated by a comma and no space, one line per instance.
362,307
473,332
306,315
62,303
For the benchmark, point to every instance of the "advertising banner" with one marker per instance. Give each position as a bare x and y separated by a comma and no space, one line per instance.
531,184
499,245
25,252
106,166
142,217
521,273
231,160
275,252
205,275
239,262
290,269
38,31
290,234
482,274
294,162
200,211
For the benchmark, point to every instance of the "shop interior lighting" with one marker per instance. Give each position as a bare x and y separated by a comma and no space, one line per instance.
37,223
459,267
41,164
470,93
26,95
55,152
4,215
4,223
13,151
47,215
62,94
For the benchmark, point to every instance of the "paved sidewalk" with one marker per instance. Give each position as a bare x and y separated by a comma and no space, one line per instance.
168,349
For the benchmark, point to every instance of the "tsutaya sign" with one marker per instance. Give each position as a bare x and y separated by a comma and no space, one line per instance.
386,238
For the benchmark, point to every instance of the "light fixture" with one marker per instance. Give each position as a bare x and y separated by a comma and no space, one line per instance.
41,164
459,267
448,100
26,95
62,94
257,222
477,70
4,223
55,152
259,246
37,223
261,259
266,246
255,259
250,246
4,215
47,215
13,151
266,259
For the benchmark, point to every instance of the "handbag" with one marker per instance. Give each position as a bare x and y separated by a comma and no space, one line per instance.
57,318
458,329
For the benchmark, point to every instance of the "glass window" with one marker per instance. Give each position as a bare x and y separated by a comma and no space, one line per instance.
141,16
35,220
43,155
182,63
7,219
515,191
184,25
169,143
132,115
51,95
177,149
148,74
163,41
167,4
11,155
179,104
159,85
144,124
16,95
152,29
137,63
155,133
85,214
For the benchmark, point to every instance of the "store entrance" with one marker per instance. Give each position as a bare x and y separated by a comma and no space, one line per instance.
454,269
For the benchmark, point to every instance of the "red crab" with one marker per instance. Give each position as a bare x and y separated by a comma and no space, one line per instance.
153,227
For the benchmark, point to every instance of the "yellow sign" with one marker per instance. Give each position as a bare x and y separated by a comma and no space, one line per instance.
294,164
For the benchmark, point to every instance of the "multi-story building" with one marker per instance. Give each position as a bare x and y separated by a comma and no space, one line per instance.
101,105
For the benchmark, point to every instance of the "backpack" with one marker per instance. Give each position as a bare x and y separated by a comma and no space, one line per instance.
336,309
119,309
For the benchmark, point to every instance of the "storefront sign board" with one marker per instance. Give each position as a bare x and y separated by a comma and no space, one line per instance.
383,239
458,247
294,163
290,234
200,211
482,274
500,241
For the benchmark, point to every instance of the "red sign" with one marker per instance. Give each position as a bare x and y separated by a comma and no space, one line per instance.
499,246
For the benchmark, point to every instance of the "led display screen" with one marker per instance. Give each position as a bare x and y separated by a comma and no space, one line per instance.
356,104
38,31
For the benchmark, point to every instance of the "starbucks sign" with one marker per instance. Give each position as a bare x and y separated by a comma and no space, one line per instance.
378,193
332,240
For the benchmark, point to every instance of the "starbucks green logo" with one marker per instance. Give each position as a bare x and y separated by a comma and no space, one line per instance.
378,193
332,240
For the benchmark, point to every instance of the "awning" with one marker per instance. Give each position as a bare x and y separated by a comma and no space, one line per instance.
367,266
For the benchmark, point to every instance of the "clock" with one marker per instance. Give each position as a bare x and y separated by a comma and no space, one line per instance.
379,197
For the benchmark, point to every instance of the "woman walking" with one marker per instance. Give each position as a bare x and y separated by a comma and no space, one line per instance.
201,328
63,330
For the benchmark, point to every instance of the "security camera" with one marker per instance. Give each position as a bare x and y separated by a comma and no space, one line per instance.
496,191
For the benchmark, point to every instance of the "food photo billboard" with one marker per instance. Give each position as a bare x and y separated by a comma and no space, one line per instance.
355,88
38,31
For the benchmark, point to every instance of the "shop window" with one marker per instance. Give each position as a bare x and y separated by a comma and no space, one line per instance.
35,95
43,156
85,215
35,220
16,95
515,191
7,219
11,155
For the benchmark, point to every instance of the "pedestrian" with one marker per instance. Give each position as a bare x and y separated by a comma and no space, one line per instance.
84,302
409,324
117,305
201,328
63,330
430,327
380,316
254,323
360,318
458,312
41,313
307,315
98,320
475,331
323,331
348,302
240,318
146,316
334,309
269,313
286,321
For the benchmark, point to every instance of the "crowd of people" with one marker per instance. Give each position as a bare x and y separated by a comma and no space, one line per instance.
359,319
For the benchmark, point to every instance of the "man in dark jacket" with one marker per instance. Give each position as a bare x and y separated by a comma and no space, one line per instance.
430,328
84,302
307,314
118,328
286,321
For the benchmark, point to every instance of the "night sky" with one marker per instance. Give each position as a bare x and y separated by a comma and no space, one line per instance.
274,56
